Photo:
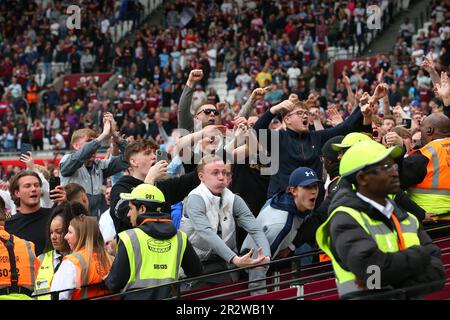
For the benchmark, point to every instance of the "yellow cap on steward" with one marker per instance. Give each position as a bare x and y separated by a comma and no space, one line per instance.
364,154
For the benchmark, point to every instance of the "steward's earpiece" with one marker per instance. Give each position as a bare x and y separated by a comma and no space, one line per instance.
429,131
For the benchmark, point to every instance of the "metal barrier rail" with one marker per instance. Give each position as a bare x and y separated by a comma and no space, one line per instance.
391,293
209,275
403,292
294,260
291,281
228,286
308,254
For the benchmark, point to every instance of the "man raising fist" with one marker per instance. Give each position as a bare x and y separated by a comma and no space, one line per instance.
206,114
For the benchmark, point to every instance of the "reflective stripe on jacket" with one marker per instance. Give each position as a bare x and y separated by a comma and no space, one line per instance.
44,275
385,238
152,261
25,260
433,193
90,271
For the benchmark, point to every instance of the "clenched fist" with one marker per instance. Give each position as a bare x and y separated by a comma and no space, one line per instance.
194,76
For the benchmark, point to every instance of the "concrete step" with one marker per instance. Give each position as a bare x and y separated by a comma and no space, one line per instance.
217,80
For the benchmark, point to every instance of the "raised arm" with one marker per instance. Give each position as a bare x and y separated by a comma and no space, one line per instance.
350,95
185,119
428,65
257,94
352,123
188,141
71,163
443,90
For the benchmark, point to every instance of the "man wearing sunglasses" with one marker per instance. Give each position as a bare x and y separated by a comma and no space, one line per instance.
367,235
205,114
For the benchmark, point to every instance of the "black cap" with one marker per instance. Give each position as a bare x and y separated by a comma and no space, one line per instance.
328,152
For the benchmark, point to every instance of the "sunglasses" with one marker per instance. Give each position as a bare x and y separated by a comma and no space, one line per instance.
209,111
388,167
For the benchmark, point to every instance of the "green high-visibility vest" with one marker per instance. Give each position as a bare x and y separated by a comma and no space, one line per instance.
45,275
385,238
153,262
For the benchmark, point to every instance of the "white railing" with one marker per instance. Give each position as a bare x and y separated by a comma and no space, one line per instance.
120,29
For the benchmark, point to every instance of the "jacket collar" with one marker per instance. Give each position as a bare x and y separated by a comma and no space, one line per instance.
283,201
295,134
204,190
347,197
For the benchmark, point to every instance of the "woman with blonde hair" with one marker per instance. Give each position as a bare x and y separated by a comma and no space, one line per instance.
84,269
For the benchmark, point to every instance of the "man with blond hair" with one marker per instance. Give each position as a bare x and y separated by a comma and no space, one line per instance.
209,216
83,168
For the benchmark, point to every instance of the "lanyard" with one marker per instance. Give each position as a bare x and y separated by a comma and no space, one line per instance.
155,220
401,240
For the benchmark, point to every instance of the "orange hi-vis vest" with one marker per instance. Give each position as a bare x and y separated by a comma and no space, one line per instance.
433,193
90,275
18,265
32,94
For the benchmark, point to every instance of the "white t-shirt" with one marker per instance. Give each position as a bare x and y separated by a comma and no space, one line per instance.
58,137
423,80
226,7
293,73
105,25
65,278
9,203
212,56
440,14
107,226
244,79
417,55
54,28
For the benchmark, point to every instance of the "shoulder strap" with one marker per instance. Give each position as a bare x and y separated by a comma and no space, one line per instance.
9,244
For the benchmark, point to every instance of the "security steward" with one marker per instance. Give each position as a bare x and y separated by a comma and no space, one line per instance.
426,172
32,97
373,244
151,253
18,264
400,198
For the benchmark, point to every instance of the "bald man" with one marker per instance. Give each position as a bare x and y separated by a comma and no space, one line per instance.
426,172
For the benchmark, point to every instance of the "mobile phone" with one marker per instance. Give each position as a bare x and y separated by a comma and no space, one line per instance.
54,182
407,123
161,155
25,148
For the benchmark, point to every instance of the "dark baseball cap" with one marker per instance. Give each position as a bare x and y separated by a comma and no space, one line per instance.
302,177
327,149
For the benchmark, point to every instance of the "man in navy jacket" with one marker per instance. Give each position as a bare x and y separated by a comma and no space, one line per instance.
298,147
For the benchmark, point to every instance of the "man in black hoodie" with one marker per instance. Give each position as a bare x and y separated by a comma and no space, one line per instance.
374,245
150,254
140,156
